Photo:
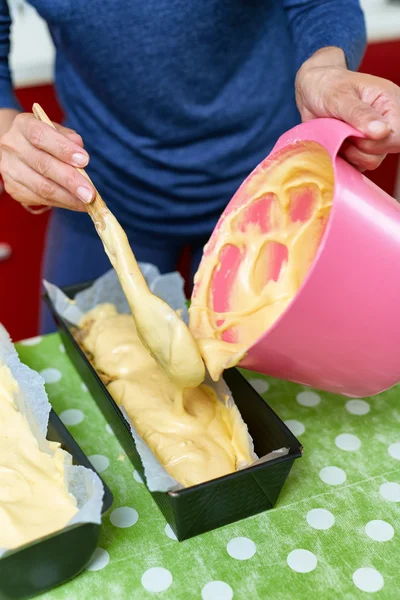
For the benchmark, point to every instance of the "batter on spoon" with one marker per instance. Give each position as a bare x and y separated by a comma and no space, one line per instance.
161,330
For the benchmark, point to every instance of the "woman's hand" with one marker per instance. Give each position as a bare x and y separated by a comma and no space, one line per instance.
326,88
37,163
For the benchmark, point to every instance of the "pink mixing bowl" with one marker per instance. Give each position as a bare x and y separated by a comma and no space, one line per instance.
341,332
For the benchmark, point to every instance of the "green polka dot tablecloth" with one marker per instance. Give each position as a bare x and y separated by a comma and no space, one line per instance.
334,533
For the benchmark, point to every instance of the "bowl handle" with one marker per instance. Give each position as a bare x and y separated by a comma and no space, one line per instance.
330,133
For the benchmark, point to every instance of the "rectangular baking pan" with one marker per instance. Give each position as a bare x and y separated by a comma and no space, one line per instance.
52,560
215,503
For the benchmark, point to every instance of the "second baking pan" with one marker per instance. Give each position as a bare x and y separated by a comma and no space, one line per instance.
60,556
209,505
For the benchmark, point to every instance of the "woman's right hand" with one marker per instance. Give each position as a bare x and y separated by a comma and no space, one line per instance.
37,164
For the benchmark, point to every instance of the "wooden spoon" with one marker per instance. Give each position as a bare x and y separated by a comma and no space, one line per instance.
161,330
96,209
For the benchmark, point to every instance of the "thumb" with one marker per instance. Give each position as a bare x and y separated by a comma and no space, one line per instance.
362,116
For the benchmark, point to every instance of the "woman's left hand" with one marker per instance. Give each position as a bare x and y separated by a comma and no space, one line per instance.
326,88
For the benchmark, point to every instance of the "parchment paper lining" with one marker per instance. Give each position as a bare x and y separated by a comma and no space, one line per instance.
32,401
169,287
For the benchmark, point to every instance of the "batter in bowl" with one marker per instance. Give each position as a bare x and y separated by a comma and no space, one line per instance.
263,248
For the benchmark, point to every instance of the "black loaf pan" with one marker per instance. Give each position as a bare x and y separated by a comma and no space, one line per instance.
60,556
215,503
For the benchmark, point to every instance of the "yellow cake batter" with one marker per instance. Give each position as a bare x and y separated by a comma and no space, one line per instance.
154,362
161,330
34,500
194,435
272,238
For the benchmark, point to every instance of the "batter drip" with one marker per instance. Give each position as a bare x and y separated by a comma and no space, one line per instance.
34,500
264,247
195,435
161,330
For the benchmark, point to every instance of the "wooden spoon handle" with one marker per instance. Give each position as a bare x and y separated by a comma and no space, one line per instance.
96,209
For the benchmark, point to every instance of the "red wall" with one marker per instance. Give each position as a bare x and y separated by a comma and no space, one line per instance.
383,60
20,274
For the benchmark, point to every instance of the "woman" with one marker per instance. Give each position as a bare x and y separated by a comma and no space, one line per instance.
176,103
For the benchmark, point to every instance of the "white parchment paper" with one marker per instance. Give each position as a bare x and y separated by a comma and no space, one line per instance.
169,287
32,401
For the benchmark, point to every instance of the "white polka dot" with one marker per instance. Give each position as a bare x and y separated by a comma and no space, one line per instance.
260,385
84,387
241,548
100,462
308,398
124,517
170,533
32,341
320,518
390,491
348,442
156,579
108,429
394,450
357,407
217,590
137,477
99,560
51,375
368,580
61,348
332,475
72,416
302,561
296,427
379,531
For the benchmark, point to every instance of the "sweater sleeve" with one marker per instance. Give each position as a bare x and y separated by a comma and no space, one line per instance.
316,24
7,96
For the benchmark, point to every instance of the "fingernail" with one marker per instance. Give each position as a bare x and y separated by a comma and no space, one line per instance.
377,127
85,194
79,159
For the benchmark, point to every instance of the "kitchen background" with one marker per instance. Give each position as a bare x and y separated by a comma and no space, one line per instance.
32,56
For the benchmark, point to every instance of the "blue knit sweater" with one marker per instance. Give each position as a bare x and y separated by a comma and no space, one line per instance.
178,100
